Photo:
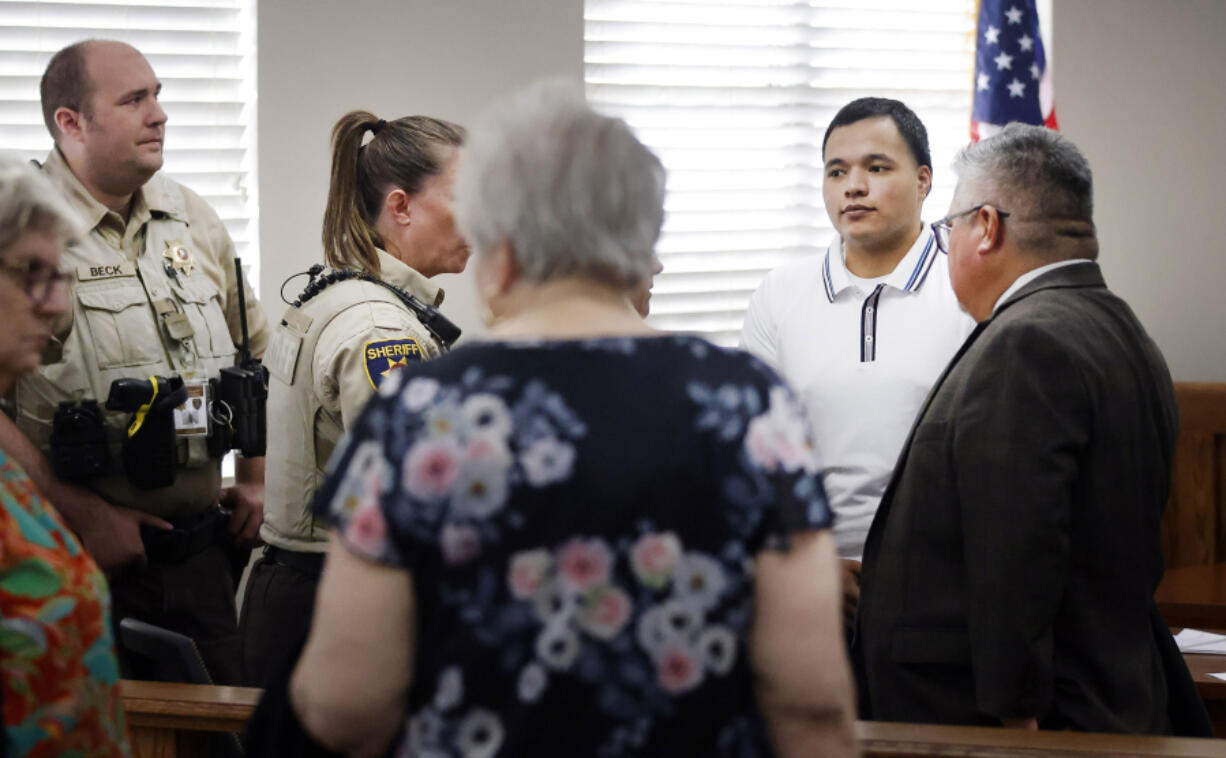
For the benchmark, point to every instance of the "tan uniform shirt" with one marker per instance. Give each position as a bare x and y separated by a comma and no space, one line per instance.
137,310
325,360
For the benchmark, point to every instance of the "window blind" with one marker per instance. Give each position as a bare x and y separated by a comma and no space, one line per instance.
735,95
203,51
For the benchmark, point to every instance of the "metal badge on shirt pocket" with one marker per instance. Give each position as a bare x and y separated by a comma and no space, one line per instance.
178,257
385,356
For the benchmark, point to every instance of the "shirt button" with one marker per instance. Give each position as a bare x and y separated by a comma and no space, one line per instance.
868,338
869,310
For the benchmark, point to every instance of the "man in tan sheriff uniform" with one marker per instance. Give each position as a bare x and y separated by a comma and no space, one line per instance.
325,360
154,294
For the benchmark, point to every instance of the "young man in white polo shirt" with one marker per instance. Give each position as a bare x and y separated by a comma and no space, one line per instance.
864,331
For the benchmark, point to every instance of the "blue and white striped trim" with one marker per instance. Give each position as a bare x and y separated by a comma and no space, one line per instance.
826,280
923,266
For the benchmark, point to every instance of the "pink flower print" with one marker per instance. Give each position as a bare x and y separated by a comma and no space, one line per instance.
527,571
605,612
678,670
431,467
489,449
368,531
760,444
653,557
460,542
583,564
779,438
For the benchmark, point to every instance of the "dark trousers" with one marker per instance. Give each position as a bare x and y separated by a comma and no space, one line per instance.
277,608
194,598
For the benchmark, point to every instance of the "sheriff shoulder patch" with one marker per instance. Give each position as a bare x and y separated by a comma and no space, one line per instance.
385,356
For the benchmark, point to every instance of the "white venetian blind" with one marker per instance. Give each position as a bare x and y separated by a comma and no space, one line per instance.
735,95
203,51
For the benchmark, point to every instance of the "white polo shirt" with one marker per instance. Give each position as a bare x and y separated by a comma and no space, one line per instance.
862,355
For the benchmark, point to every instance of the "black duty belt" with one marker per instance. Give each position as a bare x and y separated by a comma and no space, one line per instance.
188,538
307,563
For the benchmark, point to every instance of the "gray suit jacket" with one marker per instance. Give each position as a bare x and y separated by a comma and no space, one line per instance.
1012,563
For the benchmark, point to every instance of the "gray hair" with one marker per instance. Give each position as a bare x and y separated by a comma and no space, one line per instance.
1037,175
574,192
28,203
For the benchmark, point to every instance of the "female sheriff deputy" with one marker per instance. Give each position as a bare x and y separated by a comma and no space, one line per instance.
387,229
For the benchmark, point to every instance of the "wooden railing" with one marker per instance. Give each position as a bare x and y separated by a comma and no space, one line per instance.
169,720
887,740
178,721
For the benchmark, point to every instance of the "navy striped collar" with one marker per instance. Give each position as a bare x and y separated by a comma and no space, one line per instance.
909,275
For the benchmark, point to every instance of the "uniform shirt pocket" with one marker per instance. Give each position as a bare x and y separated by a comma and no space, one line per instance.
120,323
201,303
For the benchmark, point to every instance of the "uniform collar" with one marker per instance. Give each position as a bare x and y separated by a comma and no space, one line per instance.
907,276
394,271
148,200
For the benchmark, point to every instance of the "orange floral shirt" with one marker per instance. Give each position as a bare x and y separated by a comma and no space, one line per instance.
57,651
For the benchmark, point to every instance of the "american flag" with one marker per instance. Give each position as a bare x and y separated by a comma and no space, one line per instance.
1012,78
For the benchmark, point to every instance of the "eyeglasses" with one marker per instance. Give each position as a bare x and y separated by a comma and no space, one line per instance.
943,228
35,277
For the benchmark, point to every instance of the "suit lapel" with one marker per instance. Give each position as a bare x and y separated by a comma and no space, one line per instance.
888,496
1087,275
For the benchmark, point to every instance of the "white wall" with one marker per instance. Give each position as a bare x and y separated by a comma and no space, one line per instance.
321,58
1141,87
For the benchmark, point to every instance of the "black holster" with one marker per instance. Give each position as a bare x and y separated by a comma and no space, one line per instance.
150,454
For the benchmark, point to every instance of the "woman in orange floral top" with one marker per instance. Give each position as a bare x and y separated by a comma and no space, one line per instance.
57,654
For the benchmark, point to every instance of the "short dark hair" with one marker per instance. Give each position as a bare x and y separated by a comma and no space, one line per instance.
65,84
909,125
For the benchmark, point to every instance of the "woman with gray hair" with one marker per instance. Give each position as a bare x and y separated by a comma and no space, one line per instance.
531,560
57,654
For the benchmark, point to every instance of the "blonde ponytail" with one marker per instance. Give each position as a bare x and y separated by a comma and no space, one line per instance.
348,234
401,154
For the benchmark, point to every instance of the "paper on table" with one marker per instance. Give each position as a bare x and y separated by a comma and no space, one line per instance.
1196,641
1219,676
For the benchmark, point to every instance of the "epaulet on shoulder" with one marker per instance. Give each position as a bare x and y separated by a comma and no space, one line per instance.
166,194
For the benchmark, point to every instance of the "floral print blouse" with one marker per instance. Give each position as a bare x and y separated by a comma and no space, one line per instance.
57,654
581,520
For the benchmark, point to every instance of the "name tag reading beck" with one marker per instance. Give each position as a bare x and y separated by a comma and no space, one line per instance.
105,271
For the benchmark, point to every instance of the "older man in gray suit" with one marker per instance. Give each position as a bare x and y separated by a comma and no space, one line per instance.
1010,570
